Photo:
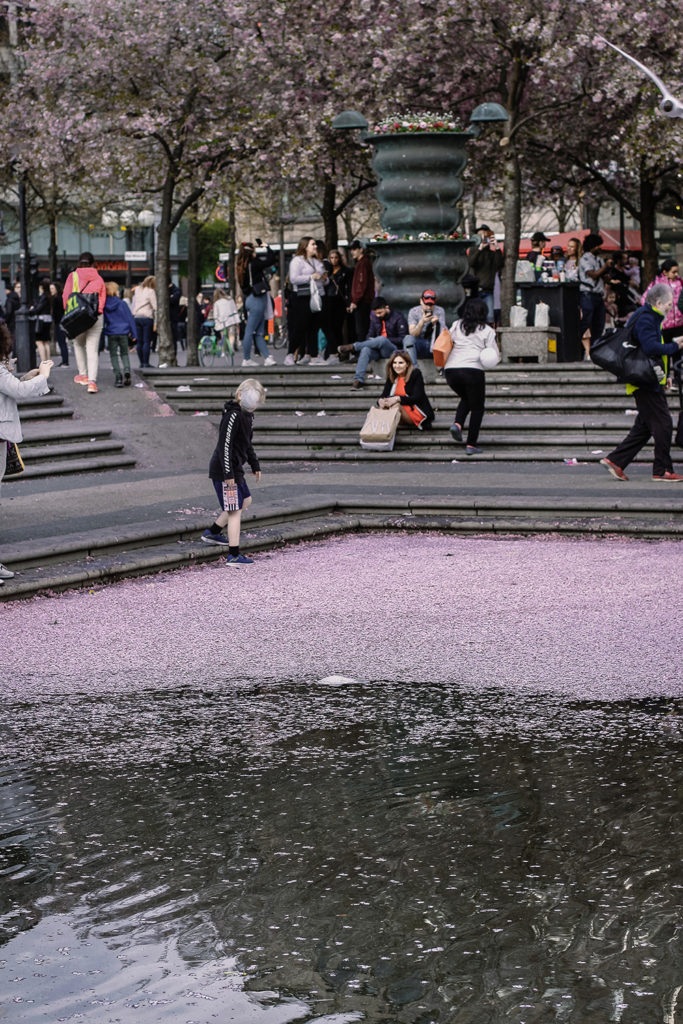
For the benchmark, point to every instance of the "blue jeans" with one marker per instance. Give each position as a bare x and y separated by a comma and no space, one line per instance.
255,306
143,330
487,297
373,348
417,348
592,314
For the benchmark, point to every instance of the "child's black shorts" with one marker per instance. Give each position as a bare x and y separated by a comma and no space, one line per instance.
242,491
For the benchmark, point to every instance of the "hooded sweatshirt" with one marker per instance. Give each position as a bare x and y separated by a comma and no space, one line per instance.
88,281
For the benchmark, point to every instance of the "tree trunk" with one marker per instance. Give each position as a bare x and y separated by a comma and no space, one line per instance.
512,193
162,269
192,289
52,250
232,244
591,217
647,228
330,215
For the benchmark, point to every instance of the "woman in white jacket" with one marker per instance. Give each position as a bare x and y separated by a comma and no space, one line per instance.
306,273
13,390
474,350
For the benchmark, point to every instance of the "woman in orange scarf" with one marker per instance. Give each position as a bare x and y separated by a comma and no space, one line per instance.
405,386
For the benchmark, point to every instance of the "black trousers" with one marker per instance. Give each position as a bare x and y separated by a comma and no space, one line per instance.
303,326
333,315
470,386
653,420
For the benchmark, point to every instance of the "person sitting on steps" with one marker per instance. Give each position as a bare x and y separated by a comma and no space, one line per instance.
387,330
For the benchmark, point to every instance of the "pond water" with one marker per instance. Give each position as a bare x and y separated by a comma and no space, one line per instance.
339,851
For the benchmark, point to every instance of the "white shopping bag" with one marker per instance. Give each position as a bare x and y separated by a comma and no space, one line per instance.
542,315
518,315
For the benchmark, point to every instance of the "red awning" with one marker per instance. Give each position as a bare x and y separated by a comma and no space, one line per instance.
610,240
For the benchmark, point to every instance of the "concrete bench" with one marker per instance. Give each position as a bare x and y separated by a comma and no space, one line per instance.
537,344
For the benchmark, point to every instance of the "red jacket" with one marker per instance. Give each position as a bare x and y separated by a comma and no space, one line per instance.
88,281
363,284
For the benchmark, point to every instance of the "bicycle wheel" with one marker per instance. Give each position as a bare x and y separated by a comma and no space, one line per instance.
207,350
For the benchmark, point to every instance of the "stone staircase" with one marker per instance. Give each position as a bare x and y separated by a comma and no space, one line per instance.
56,444
534,413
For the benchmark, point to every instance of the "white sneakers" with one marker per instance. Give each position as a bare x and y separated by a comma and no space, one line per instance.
269,361
289,359
5,573
249,362
304,360
318,361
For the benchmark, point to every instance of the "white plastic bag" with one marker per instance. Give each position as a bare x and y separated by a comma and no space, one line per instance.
524,272
542,315
518,315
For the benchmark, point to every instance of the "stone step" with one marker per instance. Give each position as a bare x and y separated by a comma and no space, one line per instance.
56,467
58,452
437,440
357,401
56,412
66,432
500,453
43,401
102,556
435,392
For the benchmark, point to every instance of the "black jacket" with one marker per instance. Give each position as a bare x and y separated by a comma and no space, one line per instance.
338,286
415,394
234,446
255,271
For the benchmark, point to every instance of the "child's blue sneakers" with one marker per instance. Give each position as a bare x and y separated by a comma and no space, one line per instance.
238,560
214,538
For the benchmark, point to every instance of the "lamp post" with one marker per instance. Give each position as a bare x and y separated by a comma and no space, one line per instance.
23,340
146,220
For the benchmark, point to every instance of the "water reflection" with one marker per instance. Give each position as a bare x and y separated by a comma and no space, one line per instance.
407,854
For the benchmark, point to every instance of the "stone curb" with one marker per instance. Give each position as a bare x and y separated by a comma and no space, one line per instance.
349,517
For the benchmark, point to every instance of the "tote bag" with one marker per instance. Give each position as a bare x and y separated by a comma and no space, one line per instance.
378,433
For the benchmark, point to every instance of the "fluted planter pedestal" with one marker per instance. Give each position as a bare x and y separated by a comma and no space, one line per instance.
419,187
405,269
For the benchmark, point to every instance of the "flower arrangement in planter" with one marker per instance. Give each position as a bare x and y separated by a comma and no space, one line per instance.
421,122
423,236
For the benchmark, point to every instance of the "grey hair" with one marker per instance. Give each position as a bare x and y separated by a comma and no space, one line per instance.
659,294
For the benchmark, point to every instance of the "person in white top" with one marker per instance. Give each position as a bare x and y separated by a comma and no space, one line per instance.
225,316
12,390
474,351
306,272
144,314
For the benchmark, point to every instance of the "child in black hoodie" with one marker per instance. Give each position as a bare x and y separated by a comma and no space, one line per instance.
226,468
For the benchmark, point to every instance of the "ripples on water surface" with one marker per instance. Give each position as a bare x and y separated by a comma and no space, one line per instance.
361,852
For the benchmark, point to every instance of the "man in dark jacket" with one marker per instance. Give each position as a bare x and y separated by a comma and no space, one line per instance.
485,262
653,419
362,290
387,330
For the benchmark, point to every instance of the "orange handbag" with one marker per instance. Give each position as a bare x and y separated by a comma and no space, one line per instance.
442,348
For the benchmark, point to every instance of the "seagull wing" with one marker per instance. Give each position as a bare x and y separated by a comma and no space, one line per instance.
668,104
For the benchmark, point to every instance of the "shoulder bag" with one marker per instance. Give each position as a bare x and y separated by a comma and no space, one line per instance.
15,463
82,310
442,348
618,352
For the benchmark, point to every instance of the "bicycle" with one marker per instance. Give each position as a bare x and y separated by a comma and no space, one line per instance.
213,346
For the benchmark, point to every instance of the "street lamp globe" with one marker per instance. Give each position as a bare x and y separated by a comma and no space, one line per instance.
128,218
110,218
146,218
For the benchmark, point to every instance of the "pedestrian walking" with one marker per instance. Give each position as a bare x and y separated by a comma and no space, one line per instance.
119,327
653,419
226,468
12,390
42,312
474,350
144,314
58,331
86,345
